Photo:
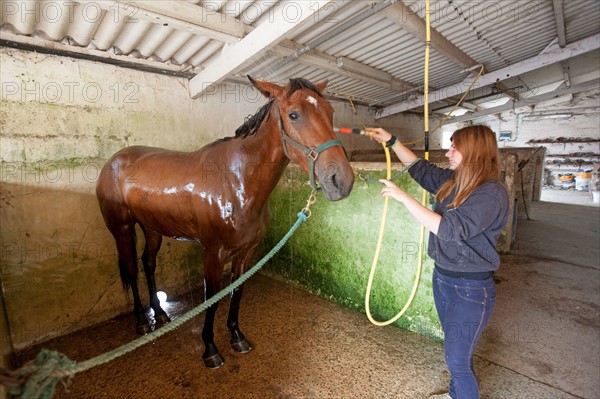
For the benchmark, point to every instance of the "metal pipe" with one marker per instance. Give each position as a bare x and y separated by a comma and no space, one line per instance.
469,69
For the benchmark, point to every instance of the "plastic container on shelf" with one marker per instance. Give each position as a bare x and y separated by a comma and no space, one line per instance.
582,183
567,180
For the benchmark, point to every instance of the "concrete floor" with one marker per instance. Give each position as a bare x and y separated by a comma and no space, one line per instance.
543,340
571,196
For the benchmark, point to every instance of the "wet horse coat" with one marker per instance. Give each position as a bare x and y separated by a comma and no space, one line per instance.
218,195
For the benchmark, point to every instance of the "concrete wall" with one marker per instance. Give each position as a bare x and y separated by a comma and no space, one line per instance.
60,119
331,253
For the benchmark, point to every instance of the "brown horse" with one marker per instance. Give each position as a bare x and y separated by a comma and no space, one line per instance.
218,196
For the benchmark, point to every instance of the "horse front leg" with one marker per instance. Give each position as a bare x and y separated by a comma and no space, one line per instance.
239,343
213,270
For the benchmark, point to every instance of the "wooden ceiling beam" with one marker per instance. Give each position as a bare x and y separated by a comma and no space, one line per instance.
324,61
507,92
559,17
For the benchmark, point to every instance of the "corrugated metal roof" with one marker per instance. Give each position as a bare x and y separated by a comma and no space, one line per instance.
495,34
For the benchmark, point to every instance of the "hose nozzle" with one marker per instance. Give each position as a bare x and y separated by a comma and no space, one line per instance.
349,130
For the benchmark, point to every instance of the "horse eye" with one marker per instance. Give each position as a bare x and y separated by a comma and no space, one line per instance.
294,116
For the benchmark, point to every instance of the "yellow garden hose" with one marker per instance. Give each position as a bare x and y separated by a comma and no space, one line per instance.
376,256
425,194
386,199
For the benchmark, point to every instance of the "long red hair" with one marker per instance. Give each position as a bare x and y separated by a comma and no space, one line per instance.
480,163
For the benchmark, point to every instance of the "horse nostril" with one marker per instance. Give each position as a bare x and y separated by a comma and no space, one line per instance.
335,182
339,183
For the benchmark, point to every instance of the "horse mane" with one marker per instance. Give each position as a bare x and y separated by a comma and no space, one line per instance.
253,122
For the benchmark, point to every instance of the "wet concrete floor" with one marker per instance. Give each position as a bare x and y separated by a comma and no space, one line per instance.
543,340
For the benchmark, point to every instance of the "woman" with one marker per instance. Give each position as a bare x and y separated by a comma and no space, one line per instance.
470,212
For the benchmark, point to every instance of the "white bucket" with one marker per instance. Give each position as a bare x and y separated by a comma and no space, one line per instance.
582,183
596,197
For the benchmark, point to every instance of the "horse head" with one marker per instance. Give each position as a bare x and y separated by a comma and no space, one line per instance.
305,119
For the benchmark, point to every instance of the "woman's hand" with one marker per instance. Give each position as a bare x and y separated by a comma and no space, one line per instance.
424,215
379,134
393,191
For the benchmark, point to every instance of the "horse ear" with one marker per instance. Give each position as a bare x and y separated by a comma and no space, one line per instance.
321,86
268,89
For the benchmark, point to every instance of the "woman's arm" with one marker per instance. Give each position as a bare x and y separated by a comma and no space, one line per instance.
425,216
405,155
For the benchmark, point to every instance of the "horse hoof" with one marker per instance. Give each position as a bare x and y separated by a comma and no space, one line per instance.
242,346
162,319
213,362
143,329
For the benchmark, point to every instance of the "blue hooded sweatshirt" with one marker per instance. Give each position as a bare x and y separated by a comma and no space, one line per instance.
467,235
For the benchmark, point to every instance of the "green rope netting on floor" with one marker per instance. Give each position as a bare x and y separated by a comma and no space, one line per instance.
38,379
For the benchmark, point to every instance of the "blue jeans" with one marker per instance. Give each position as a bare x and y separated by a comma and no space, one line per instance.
464,308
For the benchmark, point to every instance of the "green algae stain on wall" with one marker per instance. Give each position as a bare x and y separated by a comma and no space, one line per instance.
331,254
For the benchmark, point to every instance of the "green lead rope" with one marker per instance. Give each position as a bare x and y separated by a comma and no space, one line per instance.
38,380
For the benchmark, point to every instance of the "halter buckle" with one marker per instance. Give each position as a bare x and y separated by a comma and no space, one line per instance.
312,154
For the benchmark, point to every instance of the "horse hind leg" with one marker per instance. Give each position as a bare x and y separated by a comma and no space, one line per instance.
239,343
125,239
213,270
153,243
